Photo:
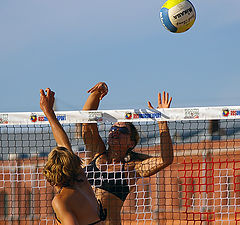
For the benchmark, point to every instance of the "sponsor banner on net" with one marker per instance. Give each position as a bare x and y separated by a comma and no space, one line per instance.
41,118
234,113
191,113
95,116
3,118
130,115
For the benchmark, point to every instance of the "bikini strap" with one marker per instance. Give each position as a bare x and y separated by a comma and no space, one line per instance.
123,167
99,156
57,218
60,190
102,213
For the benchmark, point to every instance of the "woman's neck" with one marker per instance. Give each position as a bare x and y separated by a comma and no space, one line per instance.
113,156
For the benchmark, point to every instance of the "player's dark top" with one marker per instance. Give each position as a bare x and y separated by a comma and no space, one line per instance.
113,182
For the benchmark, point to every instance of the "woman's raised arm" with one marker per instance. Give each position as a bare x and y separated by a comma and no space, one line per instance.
93,142
46,104
153,165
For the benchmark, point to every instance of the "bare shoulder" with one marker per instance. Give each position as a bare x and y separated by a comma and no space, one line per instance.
64,197
130,164
58,202
149,167
58,205
64,211
130,167
65,201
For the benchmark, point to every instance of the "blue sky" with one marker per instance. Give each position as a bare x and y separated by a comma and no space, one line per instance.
71,45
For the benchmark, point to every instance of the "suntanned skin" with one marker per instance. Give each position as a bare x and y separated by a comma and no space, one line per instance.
118,145
75,205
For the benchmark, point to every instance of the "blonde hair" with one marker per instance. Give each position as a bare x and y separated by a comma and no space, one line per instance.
63,167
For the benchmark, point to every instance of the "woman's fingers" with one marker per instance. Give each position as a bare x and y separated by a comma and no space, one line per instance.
169,103
159,99
42,93
150,105
163,100
101,87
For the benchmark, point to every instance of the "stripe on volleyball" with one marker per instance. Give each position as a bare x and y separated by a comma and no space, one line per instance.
166,21
169,4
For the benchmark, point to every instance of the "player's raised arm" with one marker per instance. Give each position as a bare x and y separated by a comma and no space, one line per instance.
153,165
164,101
46,104
93,141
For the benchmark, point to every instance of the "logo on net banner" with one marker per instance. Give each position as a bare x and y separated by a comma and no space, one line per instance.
3,118
231,112
191,114
34,117
225,112
130,115
95,116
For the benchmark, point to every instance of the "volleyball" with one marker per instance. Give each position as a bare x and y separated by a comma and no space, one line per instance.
177,16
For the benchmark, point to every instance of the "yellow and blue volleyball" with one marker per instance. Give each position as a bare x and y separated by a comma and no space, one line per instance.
177,16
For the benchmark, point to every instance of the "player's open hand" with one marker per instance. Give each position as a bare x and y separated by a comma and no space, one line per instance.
100,87
163,101
46,100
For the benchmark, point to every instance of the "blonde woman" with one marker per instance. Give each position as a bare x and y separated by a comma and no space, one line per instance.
114,171
74,202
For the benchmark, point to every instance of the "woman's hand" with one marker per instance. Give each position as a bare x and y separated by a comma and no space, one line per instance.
101,87
46,100
163,101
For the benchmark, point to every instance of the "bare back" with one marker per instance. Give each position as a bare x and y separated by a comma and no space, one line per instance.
79,201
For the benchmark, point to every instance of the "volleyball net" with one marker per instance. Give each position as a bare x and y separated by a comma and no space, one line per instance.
202,186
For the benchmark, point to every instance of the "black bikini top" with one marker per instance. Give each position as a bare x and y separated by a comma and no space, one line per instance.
113,182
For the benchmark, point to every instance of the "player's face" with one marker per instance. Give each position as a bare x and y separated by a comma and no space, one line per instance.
119,138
